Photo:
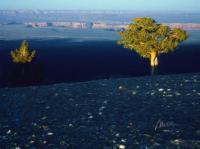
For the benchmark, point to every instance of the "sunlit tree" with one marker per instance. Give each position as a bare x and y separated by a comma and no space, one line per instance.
23,54
150,39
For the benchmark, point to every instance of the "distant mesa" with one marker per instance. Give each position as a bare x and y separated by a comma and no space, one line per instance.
105,26
37,24
186,26
109,26
78,25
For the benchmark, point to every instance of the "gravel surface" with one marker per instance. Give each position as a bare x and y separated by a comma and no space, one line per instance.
145,113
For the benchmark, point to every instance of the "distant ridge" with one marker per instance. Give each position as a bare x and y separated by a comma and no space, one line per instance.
107,16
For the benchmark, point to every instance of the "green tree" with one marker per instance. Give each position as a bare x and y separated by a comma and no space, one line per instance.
23,54
150,39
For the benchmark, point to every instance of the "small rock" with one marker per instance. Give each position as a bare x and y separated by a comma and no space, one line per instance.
8,132
105,101
177,141
31,142
117,135
101,108
160,89
177,93
70,125
47,107
152,93
44,118
33,136
123,140
44,142
120,88
90,117
50,133
134,92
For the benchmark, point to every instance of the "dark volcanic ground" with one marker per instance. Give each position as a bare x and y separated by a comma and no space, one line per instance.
146,112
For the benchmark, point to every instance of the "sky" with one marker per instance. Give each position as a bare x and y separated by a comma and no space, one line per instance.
147,5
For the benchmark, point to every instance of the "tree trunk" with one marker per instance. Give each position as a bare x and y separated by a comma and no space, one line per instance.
153,61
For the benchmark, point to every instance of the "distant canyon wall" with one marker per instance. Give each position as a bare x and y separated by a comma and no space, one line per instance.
102,25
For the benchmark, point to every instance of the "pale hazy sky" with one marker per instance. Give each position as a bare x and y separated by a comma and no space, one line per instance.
148,5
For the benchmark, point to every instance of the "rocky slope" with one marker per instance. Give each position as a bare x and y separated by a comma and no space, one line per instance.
147,112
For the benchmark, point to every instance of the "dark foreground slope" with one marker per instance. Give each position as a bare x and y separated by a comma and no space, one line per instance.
149,112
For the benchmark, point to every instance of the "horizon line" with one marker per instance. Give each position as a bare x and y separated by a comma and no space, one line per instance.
101,10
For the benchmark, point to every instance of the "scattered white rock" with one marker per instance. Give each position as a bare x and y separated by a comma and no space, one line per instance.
160,89
33,136
101,108
50,133
117,135
120,87
152,93
134,92
177,141
31,142
90,117
8,132
70,125
177,93
44,118
123,140
105,102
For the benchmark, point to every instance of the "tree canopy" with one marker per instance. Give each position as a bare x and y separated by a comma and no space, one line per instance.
23,54
145,36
